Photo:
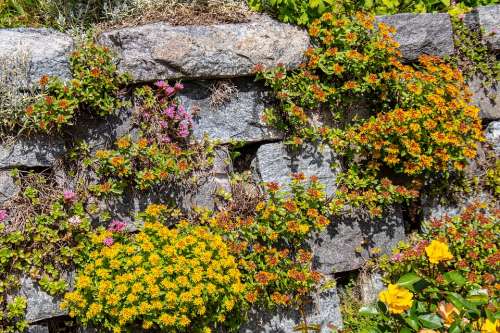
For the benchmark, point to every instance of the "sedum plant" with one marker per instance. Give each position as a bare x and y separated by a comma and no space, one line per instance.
180,279
416,121
94,89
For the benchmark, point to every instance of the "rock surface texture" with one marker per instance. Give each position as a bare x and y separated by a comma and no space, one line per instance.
489,22
274,162
38,151
324,310
486,98
420,34
46,49
159,51
348,242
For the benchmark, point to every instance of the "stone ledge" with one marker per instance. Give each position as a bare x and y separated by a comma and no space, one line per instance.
159,51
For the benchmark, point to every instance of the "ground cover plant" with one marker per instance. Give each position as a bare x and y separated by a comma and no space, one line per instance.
445,279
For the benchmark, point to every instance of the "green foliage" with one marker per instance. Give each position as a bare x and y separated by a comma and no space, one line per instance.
95,88
444,279
472,55
42,235
303,12
350,307
269,241
14,13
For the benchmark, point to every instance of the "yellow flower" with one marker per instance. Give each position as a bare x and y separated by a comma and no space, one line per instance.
397,298
490,327
438,251
426,330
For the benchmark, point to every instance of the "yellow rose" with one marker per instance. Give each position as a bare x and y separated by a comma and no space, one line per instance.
397,299
438,251
490,327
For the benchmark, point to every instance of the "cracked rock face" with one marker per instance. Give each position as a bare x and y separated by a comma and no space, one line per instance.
159,51
347,242
237,119
47,50
8,187
420,34
486,98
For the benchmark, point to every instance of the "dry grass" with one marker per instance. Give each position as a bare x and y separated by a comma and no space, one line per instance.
221,92
15,93
39,191
175,12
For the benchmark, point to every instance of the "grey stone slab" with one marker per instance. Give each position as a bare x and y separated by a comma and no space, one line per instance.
274,162
48,50
489,21
486,98
160,51
347,243
39,151
324,310
420,34
8,187
238,119
492,134
41,305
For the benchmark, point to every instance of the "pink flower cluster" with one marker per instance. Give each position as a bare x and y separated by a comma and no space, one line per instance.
3,215
108,241
69,196
116,226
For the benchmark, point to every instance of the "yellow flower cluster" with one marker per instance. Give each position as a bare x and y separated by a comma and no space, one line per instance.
167,278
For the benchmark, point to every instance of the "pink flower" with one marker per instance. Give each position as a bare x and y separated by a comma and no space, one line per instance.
108,241
183,130
161,84
163,124
3,215
178,86
165,139
397,257
170,111
117,226
169,90
75,220
69,196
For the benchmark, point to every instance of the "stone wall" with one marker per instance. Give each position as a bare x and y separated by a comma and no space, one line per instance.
202,56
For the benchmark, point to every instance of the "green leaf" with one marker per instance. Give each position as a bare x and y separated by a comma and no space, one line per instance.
314,3
412,322
455,328
430,321
408,280
455,277
460,302
478,297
